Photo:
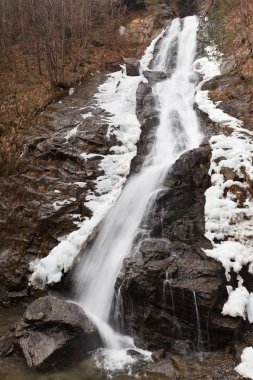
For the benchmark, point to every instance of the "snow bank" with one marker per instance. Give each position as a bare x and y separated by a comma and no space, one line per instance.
237,302
245,368
229,206
117,96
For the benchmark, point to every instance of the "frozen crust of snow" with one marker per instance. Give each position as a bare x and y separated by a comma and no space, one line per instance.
117,96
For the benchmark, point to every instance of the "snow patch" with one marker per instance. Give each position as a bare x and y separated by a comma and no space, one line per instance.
117,96
86,115
229,207
237,302
122,30
86,156
245,368
71,133
250,308
59,204
80,184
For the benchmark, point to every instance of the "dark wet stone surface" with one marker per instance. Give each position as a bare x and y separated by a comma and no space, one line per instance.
54,331
132,67
170,282
50,170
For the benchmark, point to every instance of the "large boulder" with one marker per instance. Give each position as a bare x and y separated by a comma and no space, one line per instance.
53,330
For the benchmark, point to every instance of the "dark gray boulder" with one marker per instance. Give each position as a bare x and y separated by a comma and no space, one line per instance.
132,67
53,330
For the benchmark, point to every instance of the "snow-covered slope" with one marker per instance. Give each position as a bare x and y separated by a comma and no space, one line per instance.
229,204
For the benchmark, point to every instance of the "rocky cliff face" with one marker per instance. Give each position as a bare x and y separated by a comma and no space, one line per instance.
171,290
46,200
173,294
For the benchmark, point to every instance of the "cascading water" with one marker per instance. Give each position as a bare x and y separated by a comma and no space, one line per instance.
178,131
199,333
167,283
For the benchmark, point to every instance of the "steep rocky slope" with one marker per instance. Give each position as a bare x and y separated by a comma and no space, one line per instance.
34,213
173,293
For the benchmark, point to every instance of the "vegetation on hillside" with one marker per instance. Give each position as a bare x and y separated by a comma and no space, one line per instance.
231,28
46,47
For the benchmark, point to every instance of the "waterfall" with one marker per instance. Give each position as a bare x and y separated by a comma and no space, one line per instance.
199,333
177,132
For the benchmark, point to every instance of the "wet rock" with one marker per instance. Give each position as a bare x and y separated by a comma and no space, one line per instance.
132,67
53,330
6,345
170,286
182,347
155,76
158,355
48,203
221,326
183,201
163,369
179,365
148,116
204,366
248,338
134,353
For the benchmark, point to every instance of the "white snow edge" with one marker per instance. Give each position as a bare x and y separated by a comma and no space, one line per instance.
117,96
225,219
245,368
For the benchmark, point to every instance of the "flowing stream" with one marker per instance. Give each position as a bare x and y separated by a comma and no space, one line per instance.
177,132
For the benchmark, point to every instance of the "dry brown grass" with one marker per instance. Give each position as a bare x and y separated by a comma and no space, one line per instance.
24,93
232,30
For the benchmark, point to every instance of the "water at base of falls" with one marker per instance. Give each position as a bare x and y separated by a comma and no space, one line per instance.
177,132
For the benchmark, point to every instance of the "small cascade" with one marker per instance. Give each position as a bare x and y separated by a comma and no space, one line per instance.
177,331
162,220
167,282
118,321
199,333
